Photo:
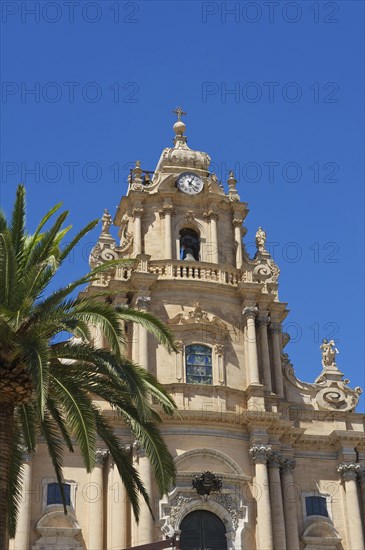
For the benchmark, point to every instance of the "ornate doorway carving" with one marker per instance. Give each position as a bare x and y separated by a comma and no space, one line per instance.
202,530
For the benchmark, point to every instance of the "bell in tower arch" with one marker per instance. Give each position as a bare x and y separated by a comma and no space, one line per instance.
189,245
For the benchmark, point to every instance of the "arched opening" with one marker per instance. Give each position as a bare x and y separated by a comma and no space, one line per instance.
189,244
201,530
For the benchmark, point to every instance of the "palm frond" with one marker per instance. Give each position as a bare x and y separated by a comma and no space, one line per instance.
150,323
55,450
18,221
27,420
123,461
156,449
79,417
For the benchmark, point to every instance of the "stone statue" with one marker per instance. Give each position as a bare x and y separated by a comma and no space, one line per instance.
107,221
328,353
260,239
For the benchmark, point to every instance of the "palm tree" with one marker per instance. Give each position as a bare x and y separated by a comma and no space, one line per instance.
48,381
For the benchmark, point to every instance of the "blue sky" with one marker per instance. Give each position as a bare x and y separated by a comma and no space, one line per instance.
273,89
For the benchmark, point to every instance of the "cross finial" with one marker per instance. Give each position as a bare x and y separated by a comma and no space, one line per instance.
179,112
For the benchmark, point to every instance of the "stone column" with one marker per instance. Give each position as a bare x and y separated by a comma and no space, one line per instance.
214,237
260,455
276,499
275,330
167,210
143,303
96,503
137,216
237,224
21,541
145,529
262,323
117,524
289,502
249,314
362,491
349,473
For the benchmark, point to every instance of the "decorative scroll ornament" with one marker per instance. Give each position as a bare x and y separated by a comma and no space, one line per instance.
198,315
330,391
265,270
206,483
106,248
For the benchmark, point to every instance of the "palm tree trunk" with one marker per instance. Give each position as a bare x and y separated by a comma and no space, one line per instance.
6,436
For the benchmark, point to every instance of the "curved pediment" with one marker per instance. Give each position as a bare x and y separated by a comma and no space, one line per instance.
207,459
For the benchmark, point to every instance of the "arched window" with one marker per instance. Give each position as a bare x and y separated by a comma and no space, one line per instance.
189,245
198,361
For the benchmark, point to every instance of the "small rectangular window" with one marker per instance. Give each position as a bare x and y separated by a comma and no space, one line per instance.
316,506
54,494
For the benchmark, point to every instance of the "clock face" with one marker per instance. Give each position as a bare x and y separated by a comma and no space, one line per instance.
190,183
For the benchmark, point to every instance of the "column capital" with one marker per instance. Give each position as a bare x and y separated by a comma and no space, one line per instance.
362,477
219,349
179,346
275,460
137,212
249,312
143,302
101,455
210,215
237,222
263,320
288,465
27,456
166,209
260,454
348,471
275,328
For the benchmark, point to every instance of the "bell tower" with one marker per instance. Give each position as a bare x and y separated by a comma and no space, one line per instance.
183,231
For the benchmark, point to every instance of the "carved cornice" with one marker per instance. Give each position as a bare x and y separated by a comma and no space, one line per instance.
348,471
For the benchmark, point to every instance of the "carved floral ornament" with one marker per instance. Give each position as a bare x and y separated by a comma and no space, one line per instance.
228,506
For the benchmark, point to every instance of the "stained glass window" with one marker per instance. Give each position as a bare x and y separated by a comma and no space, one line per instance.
316,506
198,360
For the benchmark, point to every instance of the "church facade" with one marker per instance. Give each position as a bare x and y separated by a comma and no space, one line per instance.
264,461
